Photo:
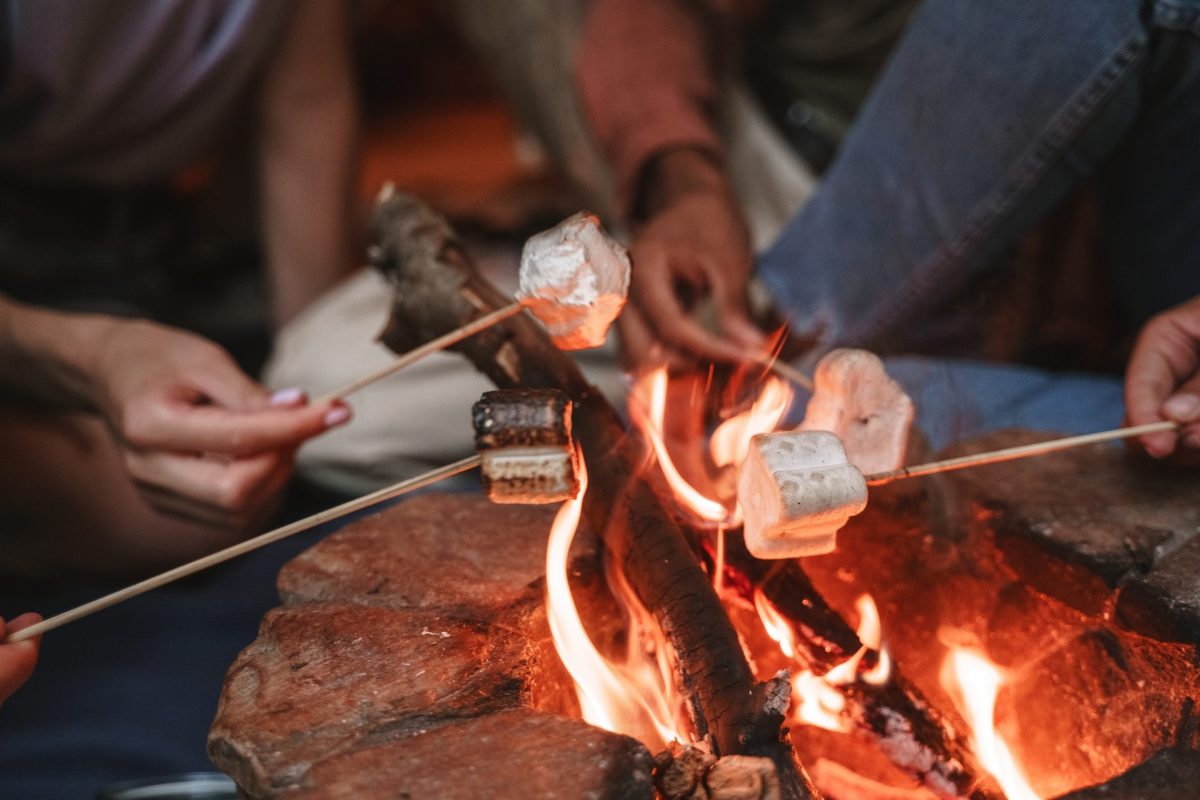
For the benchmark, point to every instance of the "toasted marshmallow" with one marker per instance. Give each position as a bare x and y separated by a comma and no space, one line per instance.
796,490
524,441
575,279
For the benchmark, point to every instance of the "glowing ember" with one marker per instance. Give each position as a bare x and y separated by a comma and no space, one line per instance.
818,699
973,681
636,698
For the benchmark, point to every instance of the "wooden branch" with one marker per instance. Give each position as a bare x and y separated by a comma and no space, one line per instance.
437,289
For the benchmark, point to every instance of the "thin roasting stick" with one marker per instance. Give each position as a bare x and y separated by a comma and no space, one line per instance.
241,548
415,355
786,371
1012,453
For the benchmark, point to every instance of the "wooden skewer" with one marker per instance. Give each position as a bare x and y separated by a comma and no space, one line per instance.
1012,453
433,346
786,371
395,490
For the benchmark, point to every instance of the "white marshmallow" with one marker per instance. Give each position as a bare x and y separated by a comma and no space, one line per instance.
574,279
796,491
855,399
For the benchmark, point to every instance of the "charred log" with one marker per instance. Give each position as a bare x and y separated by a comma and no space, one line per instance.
437,289
905,726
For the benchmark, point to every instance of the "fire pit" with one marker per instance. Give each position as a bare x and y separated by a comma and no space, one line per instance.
413,655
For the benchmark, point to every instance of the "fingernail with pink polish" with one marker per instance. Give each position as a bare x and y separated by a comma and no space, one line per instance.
1182,407
287,397
339,413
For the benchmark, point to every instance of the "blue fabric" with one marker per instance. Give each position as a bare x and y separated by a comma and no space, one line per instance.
960,399
956,400
985,117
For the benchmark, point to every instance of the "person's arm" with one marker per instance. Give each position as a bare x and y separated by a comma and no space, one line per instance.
199,438
1163,381
647,75
308,154
17,660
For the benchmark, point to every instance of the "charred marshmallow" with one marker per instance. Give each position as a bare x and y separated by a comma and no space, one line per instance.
574,279
524,441
796,491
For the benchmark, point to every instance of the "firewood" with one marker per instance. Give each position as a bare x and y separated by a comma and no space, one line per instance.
684,772
437,289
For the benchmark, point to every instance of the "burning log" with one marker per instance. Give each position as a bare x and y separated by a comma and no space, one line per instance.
437,290
910,731
682,772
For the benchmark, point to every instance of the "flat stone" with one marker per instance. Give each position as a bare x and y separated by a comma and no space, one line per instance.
512,755
322,678
1102,513
448,551
1166,603
1169,775
1095,706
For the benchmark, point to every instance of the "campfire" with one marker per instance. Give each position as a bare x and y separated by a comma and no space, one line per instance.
923,658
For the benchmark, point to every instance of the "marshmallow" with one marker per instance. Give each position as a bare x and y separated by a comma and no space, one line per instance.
574,279
796,490
524,441
855,399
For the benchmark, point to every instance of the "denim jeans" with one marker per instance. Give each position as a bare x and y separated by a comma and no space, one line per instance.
986,117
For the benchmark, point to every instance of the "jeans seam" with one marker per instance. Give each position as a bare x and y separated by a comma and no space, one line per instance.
1030,168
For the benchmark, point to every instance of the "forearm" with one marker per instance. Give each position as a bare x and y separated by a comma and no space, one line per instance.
49,356
309,139
647,78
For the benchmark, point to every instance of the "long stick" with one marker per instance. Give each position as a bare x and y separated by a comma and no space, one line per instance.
415,355
786,371
1012,453
241,548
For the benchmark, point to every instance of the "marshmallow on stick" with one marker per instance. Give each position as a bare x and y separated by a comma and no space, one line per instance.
796,490
855,399
525,452
523,437
574,279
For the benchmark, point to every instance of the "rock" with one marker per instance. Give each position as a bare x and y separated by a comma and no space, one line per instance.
323,678
1166,603
1135,694
1076,524
457,552
512,755
1170,775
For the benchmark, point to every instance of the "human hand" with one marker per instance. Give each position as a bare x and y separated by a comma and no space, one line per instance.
18,659
199,438
1162,382
694,244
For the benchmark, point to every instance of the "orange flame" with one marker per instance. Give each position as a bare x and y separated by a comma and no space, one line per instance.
728,446
818,698
974,681
730,442
636,698
648,401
